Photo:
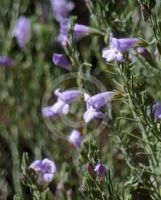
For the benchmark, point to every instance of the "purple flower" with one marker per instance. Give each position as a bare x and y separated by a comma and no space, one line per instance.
90,169
157,110
94,103
80,31
100,170
21,31
6,61
123,43
47,112
75,138
68,96
119,45
62,106
45,170
98,100
61,61
58,108
112,54
61,9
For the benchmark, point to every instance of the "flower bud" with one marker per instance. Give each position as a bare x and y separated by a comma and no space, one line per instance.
100,170
147,56
90,169
61,61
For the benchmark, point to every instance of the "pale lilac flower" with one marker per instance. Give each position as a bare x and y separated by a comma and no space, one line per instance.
45,169
36,166
75,138
124,43
61,61
94,103
100,170
98,100
62,106
6,61
47,112
147,56
91,114
80,31
119,45
90,169
21,31
61,9
57,109
68,96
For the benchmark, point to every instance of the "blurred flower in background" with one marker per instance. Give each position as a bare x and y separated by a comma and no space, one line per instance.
6,61
57,109
75,138
62,106
61,9
98,100
100,170
21,31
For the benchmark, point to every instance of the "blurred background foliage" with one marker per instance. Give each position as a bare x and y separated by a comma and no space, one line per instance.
22,128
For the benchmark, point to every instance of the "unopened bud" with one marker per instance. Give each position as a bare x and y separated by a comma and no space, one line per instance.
100,170
90,169
144,52
147,56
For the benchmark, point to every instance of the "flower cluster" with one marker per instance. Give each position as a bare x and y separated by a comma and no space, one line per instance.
62,106
93,104
129,79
